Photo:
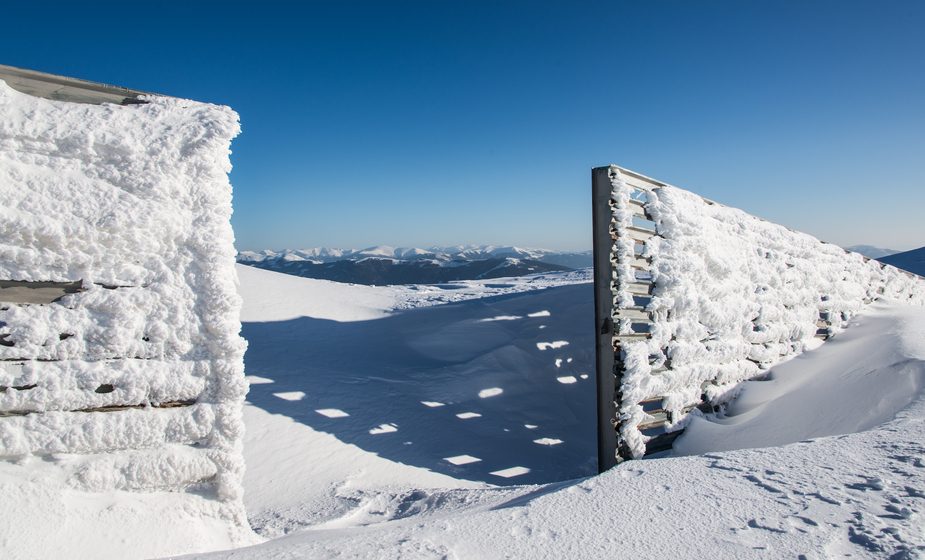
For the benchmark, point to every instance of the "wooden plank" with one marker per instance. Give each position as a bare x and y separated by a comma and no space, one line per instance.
607,382
639,208
637,262
662,442
112,408
12,291
637,233
640,263
620,338
635,314
638,181
660,417
641,288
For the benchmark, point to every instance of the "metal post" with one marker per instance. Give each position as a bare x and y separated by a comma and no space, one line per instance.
603,308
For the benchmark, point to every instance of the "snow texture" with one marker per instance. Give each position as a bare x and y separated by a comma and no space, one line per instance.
321,489
134,202
733,295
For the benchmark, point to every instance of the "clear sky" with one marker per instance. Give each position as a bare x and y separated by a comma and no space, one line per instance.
419,123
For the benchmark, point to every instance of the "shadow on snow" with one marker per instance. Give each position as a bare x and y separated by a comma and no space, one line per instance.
499,389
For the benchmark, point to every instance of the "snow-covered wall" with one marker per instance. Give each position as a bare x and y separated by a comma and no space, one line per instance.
706,296
138,376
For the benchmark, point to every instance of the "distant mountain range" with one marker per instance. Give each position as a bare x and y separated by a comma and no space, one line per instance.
383,265
871,252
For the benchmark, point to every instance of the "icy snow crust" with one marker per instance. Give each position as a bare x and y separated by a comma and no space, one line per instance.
733,295
134,202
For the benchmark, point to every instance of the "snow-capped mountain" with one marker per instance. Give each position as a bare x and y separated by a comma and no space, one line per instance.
439,253
871,252
381,265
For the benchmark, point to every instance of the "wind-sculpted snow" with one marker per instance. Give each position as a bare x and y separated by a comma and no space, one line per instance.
421,382
733,295
133,202
338,433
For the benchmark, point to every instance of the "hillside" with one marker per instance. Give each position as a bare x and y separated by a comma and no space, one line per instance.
912,261
383,265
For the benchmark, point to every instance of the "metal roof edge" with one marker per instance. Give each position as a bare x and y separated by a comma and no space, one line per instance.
63,88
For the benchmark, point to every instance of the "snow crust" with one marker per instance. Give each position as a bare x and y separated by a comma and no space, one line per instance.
134,202
733,295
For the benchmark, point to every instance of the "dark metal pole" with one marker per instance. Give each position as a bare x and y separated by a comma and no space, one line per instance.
603,320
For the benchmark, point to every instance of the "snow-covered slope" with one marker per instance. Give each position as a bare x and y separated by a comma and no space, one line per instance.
913,261
484,377
365,496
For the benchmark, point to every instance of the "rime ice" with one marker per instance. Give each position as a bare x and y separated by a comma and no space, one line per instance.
733,295
134,202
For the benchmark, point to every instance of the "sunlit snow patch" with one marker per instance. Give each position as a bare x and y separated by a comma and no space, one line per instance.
432,404
547,441
467,415
291,396
511,472
384,429
584,375
530,426
539,314
494,391
332,413
255,380
462,460
502,318
558,362
556,344
567,380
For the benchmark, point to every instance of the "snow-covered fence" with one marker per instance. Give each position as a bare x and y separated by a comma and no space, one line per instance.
693,297
119,318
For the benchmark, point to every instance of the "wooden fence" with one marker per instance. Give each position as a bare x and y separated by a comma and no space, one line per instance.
647,410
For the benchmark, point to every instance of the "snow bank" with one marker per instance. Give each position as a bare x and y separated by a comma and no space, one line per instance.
731,294
140,372
858,380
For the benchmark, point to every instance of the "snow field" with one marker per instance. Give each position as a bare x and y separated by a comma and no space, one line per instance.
318,492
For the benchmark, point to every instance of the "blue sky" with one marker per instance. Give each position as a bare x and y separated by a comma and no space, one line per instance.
454,122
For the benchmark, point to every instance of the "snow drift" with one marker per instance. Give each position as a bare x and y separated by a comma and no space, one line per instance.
135,381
